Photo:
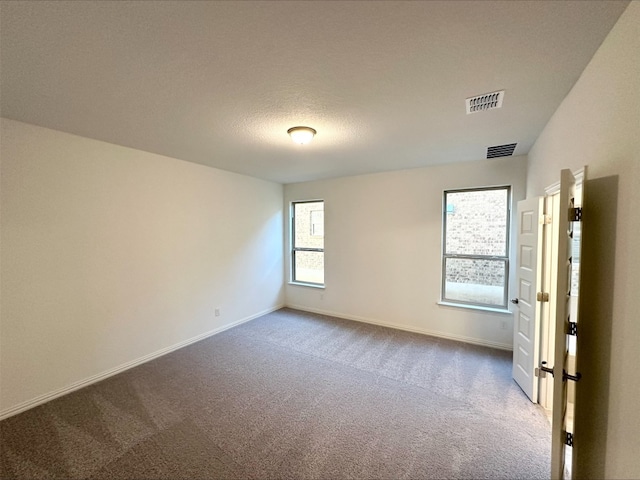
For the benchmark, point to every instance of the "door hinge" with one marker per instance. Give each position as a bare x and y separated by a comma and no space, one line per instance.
542,297
568,439
575,214
545,220
572,329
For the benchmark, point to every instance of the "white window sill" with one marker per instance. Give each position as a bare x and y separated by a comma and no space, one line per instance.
476,307
302,284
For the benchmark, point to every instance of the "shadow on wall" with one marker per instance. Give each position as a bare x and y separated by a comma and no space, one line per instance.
594,333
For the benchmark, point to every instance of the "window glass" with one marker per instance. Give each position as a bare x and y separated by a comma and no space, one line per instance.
476,222
475,281
309,267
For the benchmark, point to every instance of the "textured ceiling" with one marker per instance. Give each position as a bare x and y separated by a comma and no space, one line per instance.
219,83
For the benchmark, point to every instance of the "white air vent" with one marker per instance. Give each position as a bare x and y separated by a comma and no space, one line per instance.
488,101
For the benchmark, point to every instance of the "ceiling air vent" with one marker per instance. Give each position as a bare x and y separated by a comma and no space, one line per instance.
488,101
501,150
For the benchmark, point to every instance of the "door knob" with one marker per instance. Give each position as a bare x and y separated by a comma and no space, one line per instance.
573,378
544,368
514,301
565,375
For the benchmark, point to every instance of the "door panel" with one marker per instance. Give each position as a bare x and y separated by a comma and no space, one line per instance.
524,325
524,293
565,351
526,334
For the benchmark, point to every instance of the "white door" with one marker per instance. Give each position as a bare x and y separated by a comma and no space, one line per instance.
565,320
526,331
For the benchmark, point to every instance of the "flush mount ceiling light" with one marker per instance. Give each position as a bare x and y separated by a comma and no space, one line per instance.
301,135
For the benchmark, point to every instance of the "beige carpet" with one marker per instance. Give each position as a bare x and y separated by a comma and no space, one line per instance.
292,395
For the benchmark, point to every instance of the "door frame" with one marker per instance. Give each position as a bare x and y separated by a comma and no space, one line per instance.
549,284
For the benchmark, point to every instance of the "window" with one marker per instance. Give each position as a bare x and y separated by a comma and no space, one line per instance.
475,258
307,242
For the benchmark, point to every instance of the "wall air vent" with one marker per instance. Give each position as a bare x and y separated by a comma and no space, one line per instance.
501,150
488,101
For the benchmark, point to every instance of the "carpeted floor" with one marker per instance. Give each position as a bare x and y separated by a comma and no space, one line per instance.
292,395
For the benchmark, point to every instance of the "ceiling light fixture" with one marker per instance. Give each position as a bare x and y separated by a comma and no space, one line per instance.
301,135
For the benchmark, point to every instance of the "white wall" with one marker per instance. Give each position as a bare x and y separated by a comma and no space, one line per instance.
598,124
110,255
383,243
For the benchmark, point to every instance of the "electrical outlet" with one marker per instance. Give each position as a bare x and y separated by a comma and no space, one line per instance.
322,296
503,324
217,312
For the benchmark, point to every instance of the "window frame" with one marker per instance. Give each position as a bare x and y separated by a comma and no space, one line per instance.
294,249
505,258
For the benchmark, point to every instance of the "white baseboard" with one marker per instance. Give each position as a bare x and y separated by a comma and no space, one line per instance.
125,366
424,331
